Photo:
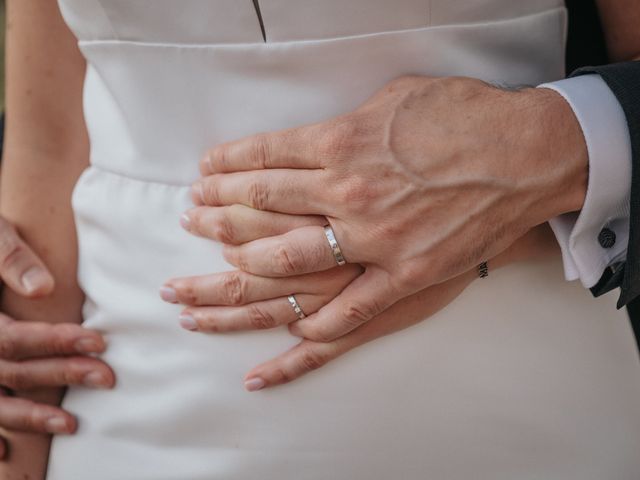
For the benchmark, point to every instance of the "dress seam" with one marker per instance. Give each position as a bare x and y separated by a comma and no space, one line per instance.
126,176
267,45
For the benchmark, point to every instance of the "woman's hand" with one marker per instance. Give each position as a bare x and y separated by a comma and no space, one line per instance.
427,179
309,355
34,355
236,300
239,301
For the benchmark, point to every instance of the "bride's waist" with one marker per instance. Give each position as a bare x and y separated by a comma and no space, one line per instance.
152,110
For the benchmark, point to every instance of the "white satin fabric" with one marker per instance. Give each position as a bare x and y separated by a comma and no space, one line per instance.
523,377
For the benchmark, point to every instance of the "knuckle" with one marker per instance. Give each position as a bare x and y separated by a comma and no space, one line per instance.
34,420
234,288
261,319
311,359
340,139
225,231
13,377
261,151
409,274
282,375
355,314
287,260
218,159
7,346
72,372
58,342
210,192
258,196
186,291
209,325
11,252
356,192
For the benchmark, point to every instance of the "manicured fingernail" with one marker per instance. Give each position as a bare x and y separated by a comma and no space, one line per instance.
34,279
87,345
95,380
168,294
185,221
188,322
56,425
254,384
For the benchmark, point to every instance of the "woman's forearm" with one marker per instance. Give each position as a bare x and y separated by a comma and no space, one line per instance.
46,149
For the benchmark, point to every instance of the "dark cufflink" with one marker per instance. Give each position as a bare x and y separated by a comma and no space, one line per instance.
607,238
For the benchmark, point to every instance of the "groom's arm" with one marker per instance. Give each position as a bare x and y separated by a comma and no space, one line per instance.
600,244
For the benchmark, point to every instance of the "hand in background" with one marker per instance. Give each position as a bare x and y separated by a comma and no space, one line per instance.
35,355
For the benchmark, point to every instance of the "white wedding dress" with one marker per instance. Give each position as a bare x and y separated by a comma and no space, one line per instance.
525,376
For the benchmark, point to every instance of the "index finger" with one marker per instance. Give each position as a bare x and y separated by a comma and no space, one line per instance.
19,340
292,148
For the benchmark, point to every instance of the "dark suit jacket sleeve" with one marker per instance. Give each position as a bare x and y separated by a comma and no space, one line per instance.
624,81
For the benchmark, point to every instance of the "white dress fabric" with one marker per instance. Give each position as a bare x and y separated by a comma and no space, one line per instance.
525,376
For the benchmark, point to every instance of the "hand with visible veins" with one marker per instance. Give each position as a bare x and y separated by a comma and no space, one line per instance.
238,300
423,182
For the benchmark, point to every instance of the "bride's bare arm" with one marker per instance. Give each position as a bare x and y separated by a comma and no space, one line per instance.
46,149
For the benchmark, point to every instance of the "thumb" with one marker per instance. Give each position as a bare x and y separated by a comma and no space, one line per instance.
20,267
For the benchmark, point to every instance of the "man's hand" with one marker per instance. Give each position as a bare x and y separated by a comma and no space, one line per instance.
423,182
34,355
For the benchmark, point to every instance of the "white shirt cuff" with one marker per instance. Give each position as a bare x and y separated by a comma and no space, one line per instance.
597,236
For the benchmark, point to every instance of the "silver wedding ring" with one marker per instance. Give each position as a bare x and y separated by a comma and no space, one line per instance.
333,243
296,307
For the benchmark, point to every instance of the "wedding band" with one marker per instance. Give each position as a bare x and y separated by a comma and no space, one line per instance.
483,270
333,243
296,307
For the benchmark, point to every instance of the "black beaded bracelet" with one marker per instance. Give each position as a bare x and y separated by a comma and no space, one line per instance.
483,270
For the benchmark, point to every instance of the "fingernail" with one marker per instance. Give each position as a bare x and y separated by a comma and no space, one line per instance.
95,380
254,384
87,345
188,322
185,221
56,425
34,279
168,294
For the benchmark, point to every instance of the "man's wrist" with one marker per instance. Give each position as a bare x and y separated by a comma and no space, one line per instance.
586,252
561,137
